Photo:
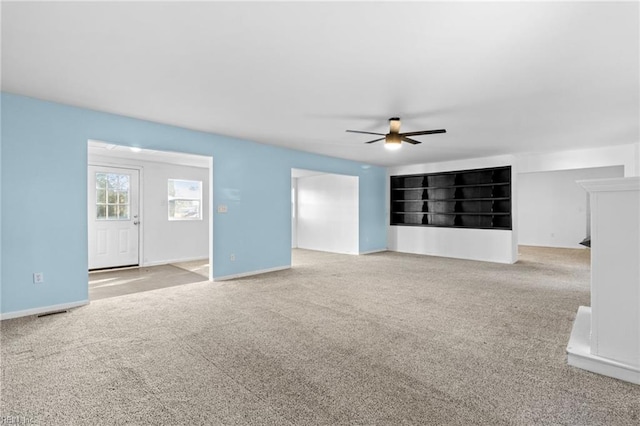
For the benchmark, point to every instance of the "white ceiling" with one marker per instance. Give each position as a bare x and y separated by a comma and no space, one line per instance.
505,77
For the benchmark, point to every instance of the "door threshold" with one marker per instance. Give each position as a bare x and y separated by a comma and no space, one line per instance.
113,268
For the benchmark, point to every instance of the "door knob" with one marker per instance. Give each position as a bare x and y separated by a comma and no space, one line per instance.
136,222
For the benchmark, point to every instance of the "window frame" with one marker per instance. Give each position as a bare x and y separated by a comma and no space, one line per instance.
172,199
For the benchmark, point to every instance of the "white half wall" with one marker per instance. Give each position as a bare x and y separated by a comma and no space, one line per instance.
328,213
476,244
552,207
606,337
164,241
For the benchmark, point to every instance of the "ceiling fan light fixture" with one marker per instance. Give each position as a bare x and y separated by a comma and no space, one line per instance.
392,146
392,141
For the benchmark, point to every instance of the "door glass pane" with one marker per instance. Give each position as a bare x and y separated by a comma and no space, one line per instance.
101,180
113,197
123,212
101,196
123,197
101,211
112,211
112,180
123,183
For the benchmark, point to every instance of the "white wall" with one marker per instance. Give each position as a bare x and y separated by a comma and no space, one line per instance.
625,155
328,213
553,207
165,241
477,244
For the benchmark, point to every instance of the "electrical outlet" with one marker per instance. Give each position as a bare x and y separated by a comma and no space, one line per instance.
222,208
38,277
233,257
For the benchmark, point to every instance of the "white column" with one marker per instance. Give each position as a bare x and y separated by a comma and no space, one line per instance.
606,337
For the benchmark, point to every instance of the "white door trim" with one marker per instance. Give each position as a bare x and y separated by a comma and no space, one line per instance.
294,212
211,213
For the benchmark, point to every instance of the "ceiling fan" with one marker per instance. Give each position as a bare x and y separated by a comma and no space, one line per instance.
394,138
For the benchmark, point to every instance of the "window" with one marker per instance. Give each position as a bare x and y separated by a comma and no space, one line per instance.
185,199
112,196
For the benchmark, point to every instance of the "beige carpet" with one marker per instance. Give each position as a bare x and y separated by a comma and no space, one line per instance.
386,338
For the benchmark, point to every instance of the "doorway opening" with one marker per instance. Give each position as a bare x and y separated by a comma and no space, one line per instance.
553,210
324,212
554,215
147,209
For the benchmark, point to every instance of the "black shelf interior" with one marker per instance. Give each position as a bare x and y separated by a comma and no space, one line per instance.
479,198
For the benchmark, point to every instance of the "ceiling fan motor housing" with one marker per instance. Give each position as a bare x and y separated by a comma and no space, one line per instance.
393,138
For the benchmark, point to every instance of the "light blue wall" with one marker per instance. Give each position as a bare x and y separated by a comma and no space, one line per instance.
44,196
1,204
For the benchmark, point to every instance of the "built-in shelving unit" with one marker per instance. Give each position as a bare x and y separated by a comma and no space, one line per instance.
479,198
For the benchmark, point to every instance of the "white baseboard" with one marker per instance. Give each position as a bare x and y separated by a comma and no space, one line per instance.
373,251
43,310
575,246
579,352
248,274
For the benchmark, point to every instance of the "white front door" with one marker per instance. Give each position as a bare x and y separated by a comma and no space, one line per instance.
113,220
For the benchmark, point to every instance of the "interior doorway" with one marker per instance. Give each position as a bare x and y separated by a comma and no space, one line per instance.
553,210
324,211
171,214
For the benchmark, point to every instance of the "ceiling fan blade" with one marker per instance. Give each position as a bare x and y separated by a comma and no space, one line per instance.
423,132
411,141
375,140
366,133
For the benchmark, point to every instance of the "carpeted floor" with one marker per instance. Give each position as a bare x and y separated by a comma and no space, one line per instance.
386,338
